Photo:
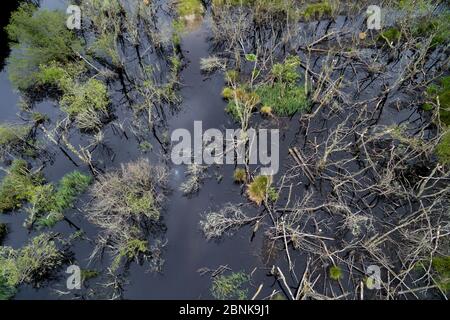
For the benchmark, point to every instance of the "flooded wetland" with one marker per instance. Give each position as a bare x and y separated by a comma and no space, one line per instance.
106,191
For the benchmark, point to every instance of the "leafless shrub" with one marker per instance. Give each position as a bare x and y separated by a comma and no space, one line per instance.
211,64
124,202
216,224
196,173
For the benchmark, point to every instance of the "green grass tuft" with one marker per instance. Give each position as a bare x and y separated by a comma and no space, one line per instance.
282,99
239,175
317,11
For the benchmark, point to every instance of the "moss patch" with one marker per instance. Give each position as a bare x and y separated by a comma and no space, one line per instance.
335,273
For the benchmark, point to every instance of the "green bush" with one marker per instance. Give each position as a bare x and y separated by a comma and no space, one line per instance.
284,97
17,186
38,37
230,287
82,96
13,135
283,100
46,203
50,204
286,72
30,264
87,274
189,7
70,187
132,249
60,75
239,175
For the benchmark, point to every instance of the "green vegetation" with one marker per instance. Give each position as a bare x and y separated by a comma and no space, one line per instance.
443,149
416,6
17,186
69,188
228,93
20,185
132,249
240,176
284,97
230,287
283,100
260,189
231,76
124,204
335,273
104,47
30,264
390,35
39,37
82,96
82,100
145,146
438,27
242,103
87,274
441,92
261,7
441,265
189,7
11,135
77,96
317,11
15,138
54,203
